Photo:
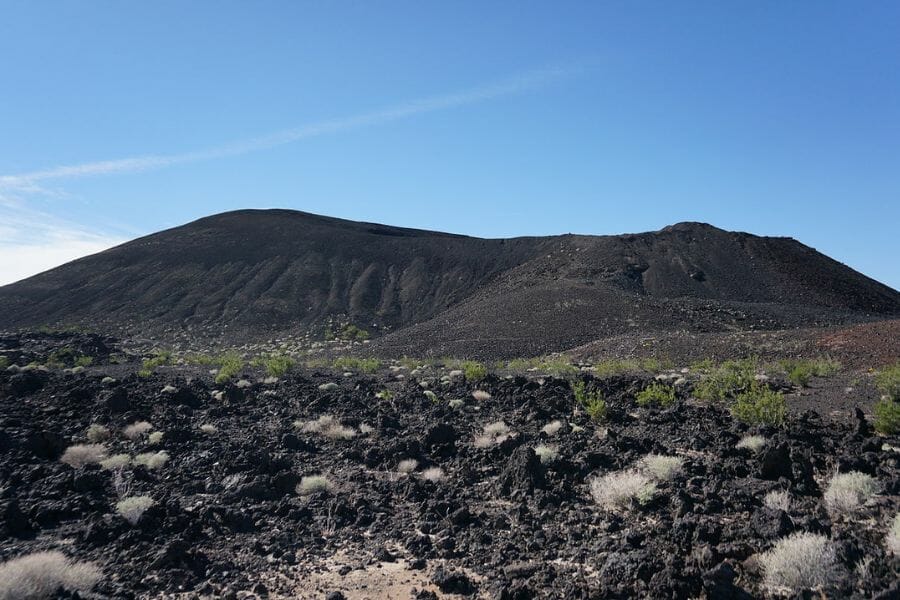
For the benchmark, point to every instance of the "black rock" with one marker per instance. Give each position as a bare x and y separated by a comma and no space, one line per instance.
771,523
116,401
46,444
775,463
718,583
453,582
521,474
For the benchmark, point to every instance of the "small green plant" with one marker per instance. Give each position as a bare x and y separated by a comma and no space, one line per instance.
4,362
888,381
729,380
230,365
593,401
348,333
759,405
200,359
83,361
887,416
657,393
361,365
276,365
474,371
800,372
385,395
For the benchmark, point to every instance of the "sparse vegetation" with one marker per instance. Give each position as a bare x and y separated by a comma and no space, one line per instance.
155,438
754,443
97,433
546,453
209,429
116,461
617,490
798,562
800,372
553,427
152,460
777,499
481,396
656,393
136,430
276,365
348,333
159,358
133,508
407,466
892,540
456,403
592,401
493,433
474,371
230,365
846,492
431,396
434,474
661,467
80,455
759,405
727,381
360,365
887,416
4,362
41,575
314,483
326,426
888,381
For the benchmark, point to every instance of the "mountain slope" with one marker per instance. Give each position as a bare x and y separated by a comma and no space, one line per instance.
258,273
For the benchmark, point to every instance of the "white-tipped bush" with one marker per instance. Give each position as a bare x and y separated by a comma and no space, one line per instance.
778,500
366,429
892,540
493,433
169,389
38,576
431,395
137,429
456,403
660,467
209,429
799,561
407,466
326,426
553,427
481,395
155,438
329,387
614,491
80,455
116,461
314,483
133,508
547,454
97,433
846,492
435,474
152,460
243,384
754,443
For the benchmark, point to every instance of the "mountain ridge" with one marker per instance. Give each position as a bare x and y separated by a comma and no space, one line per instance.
259,273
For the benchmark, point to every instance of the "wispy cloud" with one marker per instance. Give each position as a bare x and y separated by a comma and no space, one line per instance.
32,241
514,85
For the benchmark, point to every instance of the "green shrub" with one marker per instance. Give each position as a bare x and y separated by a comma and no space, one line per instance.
888,381
800,372
474,371
161,357
593,402
276,365
4,362
200,359
348,332
759,405
84,361
231,365
729,380
657,393
361,365
887,416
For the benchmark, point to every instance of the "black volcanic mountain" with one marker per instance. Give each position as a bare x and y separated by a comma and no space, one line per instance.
261,273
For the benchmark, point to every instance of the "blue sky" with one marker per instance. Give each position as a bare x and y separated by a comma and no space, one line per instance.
118,119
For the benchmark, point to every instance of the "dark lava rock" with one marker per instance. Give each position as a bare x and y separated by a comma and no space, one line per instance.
46,444
116,401
335,596
440,439
718,583
12,520
775,463
771,523
453,582
521,474
28,382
